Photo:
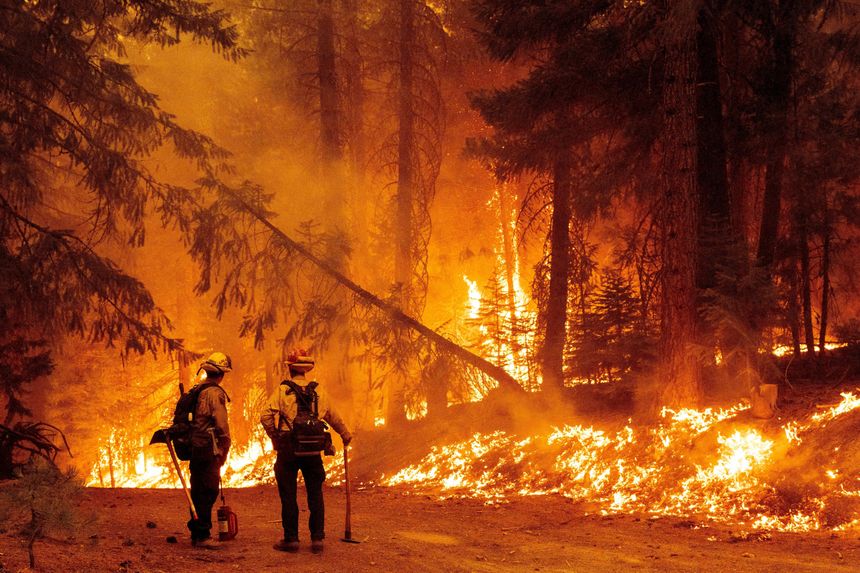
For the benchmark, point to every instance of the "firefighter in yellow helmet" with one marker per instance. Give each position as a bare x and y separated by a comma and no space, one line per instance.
293,421
210,442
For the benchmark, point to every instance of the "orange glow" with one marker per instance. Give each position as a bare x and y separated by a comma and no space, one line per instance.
657,470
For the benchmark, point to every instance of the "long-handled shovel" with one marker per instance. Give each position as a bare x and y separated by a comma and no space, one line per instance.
347,533
161,437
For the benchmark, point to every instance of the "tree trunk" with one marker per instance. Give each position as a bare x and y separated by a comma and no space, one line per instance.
110,464
330,139
404,262
333,177
794,312
31,543
714,219
269,366
806,285
437,387
510,254
682,383
779,91
825,282
353,115
552,354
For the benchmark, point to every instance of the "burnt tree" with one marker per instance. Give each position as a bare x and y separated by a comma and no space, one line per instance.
682,385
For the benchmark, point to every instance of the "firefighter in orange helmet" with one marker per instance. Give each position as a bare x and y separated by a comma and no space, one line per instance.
298,404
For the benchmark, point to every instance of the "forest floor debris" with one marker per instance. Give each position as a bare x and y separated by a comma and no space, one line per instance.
412,533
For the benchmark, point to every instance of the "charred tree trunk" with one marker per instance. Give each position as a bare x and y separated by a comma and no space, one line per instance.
510,255
682,384
778,98
825,281
794,312
552,354
404,262
714,219
805,284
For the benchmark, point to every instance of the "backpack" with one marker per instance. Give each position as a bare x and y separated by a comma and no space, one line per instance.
308,434
183,420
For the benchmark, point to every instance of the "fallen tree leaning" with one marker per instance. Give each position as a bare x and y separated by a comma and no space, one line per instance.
495,372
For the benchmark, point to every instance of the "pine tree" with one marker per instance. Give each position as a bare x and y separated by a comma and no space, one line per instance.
46,497
75,123
609,341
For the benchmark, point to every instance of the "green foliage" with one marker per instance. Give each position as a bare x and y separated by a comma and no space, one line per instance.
26,443
25,361
45,500
76,129
593,75
610,339
736,310
76,124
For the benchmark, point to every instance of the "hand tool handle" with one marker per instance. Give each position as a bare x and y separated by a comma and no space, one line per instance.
348,528
181,478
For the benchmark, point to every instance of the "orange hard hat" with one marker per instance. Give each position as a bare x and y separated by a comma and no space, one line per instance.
300,360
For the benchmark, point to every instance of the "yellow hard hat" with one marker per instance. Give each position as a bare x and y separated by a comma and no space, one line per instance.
218,362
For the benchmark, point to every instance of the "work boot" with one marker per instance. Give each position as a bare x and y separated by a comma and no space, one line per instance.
288,546
317,545
208,543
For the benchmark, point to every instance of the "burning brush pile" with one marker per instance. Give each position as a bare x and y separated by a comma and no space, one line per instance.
713,464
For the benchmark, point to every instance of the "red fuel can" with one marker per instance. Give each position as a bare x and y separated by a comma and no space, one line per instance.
228,523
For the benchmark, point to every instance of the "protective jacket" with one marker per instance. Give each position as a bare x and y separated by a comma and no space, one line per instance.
211,429
282,409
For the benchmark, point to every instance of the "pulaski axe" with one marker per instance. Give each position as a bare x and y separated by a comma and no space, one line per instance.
347,533
163,437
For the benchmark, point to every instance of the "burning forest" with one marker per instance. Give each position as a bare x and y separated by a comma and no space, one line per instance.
512,285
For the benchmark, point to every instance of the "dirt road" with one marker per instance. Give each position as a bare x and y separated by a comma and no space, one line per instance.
409,533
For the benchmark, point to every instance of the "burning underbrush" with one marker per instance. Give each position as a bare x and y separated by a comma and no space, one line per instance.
717,464
796,473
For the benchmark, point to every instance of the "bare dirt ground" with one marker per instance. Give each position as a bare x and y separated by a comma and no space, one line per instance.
409,533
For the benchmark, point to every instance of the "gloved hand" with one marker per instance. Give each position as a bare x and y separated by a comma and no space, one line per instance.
347,438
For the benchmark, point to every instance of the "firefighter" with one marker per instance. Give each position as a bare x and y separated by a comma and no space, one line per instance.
210,442
277,420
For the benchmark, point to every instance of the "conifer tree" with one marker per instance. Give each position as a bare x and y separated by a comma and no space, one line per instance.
75,129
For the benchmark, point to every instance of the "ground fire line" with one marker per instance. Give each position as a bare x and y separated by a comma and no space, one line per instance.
714,464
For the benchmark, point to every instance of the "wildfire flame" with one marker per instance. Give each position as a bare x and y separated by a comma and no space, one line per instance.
658,470
246,466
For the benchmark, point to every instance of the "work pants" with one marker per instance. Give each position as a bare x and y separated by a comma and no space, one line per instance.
205,481
287,469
